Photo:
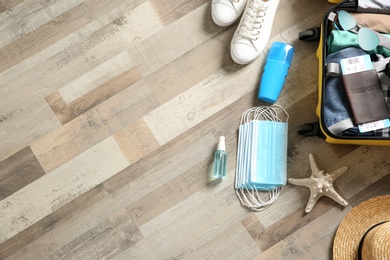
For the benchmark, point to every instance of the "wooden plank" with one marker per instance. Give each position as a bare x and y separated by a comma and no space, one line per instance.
57,29
195,105
31,121
59,186
67,112
93,126
17,171
136,141
371,166
267,236
6,5
85,47
31,15
152,56
313,241
190,68
120,191
170,11
233,242
104,241
56,66
378,188
97,76
46,229
191,227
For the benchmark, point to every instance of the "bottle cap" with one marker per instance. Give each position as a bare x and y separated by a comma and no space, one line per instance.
221,143
281,51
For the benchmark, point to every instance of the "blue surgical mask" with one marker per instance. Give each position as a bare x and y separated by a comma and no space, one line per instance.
261,156
270,154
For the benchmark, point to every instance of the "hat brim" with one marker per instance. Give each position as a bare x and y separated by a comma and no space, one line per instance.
356,223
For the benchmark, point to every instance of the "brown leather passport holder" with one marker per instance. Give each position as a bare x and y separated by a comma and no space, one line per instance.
365,96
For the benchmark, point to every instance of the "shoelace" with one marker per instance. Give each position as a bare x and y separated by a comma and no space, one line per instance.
253,19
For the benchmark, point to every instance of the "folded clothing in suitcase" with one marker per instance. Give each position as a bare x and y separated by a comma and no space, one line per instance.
354,74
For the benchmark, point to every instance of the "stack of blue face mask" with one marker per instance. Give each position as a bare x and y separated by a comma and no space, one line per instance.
261,155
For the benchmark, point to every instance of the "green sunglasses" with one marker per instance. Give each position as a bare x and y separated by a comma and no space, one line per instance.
368,39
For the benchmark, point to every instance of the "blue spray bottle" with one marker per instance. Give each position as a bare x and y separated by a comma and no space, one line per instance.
275,71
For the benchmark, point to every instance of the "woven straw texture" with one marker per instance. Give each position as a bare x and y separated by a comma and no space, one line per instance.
377,243
356,223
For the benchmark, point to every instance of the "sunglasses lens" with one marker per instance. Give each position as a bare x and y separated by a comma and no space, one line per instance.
367,39
346,20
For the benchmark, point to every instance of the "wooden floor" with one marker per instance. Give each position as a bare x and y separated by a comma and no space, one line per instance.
110,112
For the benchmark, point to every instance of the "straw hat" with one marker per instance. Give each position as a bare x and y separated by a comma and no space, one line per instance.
365,232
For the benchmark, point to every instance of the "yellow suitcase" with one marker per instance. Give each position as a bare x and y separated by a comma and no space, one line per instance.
322,33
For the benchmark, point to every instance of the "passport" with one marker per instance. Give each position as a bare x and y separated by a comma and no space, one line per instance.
365,96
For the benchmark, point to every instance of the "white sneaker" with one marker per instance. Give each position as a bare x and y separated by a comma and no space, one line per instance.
254,30
226,12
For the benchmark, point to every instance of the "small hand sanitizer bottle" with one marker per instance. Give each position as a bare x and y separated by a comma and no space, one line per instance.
220,158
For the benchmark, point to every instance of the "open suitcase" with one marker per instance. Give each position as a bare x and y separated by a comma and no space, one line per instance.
337,121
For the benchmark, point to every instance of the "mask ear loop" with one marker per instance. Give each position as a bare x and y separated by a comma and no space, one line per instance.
257,204
271,113
250,202
248,195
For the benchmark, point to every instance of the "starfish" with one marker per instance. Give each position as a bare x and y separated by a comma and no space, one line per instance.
320,184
